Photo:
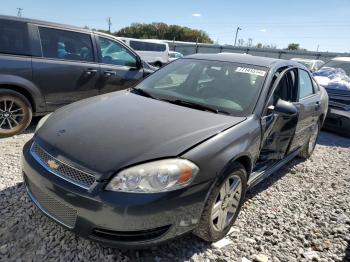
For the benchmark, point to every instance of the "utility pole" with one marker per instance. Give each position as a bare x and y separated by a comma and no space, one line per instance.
238,28
109,22
318,46
19,12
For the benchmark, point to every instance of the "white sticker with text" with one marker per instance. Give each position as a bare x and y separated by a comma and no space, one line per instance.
251,71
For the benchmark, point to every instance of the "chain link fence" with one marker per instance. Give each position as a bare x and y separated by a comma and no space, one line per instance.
192,48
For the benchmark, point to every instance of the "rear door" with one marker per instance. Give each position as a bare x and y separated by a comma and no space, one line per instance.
120,67
309,109
67,71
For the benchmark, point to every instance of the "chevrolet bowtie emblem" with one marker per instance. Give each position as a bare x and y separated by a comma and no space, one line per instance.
52,164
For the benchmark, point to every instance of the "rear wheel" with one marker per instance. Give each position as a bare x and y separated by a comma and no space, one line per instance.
309,147
15,113
223,205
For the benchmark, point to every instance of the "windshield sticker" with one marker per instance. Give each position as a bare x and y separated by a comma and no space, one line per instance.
251,71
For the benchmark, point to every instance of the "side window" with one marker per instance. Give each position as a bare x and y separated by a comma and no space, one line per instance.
305,84
147,46
287,88
316,87
114,53
67,45
14,38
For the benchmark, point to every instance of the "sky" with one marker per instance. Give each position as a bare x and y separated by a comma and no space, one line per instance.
322,24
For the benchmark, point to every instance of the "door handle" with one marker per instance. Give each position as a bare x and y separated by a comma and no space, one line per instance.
90,72
318,106
109,73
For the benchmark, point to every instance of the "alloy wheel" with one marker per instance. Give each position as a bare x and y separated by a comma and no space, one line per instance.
227,202
11,114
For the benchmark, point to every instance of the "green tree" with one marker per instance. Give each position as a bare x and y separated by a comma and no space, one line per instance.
293,46
164,31
259,45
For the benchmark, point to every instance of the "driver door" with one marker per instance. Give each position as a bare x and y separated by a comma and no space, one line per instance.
120,68
278,129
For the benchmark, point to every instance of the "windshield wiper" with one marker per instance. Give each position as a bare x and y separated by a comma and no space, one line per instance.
142,92
197,106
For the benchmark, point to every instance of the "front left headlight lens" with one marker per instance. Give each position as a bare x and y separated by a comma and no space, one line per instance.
158,176
42,122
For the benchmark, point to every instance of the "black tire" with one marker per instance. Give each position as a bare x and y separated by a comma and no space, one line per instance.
206,228
310,145
15,113
158,64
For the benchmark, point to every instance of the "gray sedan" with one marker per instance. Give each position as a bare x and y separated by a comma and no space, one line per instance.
175,154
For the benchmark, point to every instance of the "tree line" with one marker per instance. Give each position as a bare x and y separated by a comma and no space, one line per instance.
181,33
163,31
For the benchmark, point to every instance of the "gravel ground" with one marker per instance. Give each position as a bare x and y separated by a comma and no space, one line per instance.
302,213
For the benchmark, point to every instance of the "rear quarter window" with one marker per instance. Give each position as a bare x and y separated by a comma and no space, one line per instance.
14,38
306,87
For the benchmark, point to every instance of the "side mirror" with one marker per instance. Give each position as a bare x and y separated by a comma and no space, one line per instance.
284,108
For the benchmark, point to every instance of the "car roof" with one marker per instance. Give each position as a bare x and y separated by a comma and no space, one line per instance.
46,23
344,58
62,26
246,59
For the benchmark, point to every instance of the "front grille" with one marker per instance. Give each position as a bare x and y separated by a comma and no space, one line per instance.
129,236
54,208
61,169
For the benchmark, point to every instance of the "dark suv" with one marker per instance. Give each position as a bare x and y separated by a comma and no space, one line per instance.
45,65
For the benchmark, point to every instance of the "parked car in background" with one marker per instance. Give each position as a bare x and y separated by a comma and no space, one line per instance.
311,64
176,153
45,65
155,52
335,77
174,55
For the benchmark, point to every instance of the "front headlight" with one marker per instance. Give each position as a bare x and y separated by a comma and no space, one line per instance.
154,177
42,122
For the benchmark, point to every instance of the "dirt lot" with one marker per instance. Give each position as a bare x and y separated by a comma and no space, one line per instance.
302,213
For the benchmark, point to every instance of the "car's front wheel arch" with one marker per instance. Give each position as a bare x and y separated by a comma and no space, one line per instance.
204,230
242,159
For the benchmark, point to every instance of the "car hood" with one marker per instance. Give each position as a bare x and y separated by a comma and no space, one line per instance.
109,132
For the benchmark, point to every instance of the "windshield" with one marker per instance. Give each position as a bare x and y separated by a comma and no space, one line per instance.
226,87
339,64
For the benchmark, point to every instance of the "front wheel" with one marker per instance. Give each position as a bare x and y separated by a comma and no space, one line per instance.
309,147
223,205
15,113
